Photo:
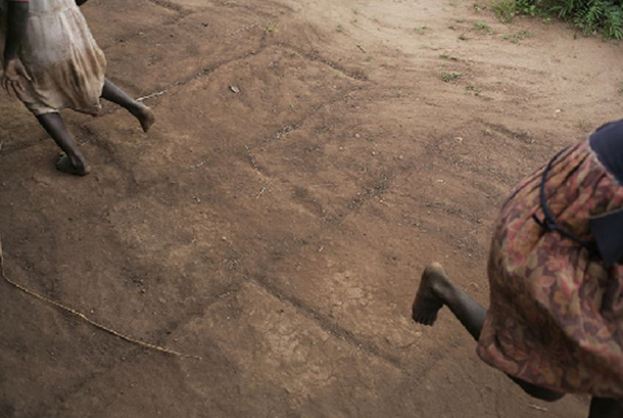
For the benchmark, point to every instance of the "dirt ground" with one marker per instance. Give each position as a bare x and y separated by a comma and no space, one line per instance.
278,229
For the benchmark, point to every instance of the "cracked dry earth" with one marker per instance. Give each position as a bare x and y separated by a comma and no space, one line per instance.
279,232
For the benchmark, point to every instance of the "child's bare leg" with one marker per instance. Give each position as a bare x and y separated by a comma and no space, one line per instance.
73,161
435,291
141,112
606,408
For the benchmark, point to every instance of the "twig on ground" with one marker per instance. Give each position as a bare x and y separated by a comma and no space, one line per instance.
538,408
84,318
261,192
151,96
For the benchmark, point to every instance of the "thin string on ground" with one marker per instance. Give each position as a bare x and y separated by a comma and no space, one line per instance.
84,318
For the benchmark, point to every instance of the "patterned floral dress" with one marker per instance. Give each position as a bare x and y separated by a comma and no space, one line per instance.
556,314
59,53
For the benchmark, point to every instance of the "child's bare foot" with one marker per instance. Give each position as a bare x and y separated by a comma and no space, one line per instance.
429,299
77,168
145,116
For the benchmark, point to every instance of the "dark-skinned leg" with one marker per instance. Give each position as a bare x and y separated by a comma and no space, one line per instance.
73,161
141,112
435,291
606,408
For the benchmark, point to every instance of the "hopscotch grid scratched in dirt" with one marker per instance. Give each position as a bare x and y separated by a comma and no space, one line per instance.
43,409
325,323
84,318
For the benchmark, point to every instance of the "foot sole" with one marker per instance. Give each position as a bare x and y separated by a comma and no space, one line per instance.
427,304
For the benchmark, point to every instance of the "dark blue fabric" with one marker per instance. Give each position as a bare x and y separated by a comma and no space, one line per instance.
607,229
608,233
607,142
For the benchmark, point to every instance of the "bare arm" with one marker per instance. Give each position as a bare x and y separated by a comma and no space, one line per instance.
16,28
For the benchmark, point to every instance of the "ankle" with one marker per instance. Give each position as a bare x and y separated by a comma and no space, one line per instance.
439,282
140,108
442,289
77,160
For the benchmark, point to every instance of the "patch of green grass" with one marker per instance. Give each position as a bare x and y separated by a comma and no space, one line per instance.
479,7
620,90
603,17
527,7
339,28
505,10
470,88
449,76
421,30
271,28
517,36
482,27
